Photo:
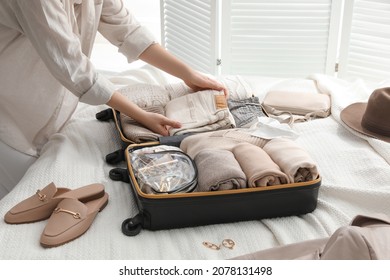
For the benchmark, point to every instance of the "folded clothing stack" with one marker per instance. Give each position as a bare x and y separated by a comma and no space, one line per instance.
201,111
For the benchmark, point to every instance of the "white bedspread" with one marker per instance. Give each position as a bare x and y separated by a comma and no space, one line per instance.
355,171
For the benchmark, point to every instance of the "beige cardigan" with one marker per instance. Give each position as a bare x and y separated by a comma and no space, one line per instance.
44,55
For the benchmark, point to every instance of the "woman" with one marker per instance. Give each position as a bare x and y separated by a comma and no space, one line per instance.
45,71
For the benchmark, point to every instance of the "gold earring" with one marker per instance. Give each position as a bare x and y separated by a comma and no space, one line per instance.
228,243
211,245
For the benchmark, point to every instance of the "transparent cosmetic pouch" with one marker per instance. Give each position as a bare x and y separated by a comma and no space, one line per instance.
164,171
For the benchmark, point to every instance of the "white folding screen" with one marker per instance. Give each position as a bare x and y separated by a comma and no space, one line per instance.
365,48
190,31
279,38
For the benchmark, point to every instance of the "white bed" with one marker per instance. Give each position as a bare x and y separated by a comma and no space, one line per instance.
355,171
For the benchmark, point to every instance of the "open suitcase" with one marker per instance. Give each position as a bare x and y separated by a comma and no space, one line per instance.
177,210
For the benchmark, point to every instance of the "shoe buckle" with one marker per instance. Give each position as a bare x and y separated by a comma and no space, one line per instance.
41,196
75,215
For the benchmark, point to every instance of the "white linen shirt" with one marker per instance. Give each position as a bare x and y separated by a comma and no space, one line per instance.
44,56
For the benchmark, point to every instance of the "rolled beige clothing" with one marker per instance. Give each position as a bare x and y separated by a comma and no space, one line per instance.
292,159
258,167
218,170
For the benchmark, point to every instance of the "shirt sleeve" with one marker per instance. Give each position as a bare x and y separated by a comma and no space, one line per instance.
123,30
46,25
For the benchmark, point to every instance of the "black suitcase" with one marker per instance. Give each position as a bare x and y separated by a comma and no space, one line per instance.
178,210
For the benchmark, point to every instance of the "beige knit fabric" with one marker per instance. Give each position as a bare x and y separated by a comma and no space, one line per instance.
222,139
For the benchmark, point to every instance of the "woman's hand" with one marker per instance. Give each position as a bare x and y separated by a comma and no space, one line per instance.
159,123
155,122
198,81
162,59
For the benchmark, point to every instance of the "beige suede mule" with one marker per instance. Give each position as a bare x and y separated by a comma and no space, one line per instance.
41,205
70,219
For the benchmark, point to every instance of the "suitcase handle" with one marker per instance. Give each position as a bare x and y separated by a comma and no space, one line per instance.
119,174
132,226
105,115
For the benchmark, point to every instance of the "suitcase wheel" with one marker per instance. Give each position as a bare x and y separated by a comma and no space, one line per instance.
105,115
119,174
115,157
132,226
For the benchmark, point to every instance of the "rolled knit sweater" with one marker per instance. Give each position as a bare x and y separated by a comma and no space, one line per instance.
258,167
218,170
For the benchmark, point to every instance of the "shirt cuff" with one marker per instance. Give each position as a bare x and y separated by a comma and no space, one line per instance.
100,93
136,43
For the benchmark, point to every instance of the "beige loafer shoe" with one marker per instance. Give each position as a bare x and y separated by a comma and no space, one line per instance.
41,205
70,219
